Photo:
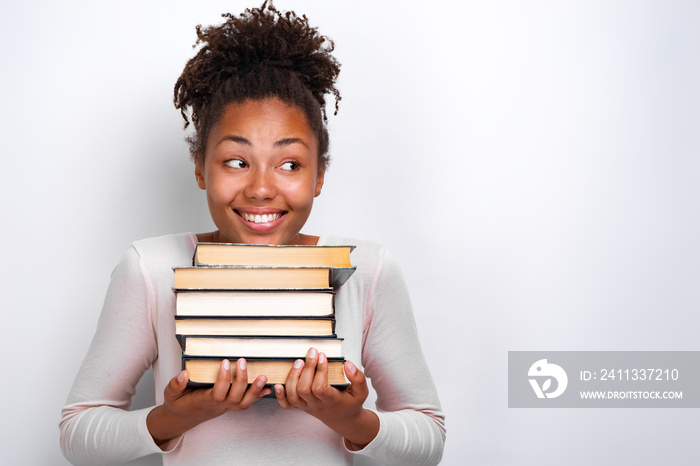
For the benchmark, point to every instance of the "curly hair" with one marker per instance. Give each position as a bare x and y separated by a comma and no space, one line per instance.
260,54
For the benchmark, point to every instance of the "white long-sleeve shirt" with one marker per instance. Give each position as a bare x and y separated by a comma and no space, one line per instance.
136,331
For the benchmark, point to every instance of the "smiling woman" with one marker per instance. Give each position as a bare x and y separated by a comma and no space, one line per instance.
261,173
255,93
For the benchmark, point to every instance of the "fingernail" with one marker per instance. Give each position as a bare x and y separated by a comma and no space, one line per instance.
298,363
242,364
278,389
261,383
311,353
227,364
321,358
351,368
181,377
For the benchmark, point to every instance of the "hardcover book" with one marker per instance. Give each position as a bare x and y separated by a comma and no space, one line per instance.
258,346
273,326
272,255
255,303
204,371
259,278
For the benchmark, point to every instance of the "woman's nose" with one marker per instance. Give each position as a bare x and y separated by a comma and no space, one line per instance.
260,185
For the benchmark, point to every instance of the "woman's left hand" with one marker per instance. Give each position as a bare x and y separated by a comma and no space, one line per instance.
307,388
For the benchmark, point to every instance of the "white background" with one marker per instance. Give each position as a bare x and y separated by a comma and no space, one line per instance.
532,165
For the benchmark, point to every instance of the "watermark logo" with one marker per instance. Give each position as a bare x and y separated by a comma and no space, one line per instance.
546,372
603,379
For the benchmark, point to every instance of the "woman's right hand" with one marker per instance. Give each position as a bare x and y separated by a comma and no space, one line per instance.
184,408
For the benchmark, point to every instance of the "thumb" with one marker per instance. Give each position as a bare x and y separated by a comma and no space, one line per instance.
177,384
358,382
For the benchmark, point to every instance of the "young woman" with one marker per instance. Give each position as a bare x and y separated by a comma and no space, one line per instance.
255,94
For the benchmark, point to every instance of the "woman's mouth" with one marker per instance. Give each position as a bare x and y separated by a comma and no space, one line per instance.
257,218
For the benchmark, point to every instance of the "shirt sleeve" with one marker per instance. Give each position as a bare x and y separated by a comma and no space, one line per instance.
96,426
412,425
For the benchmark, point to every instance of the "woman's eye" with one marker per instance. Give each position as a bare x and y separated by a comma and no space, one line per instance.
290,166
236,163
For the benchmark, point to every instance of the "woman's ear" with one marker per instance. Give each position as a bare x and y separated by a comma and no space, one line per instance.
319,182
199,174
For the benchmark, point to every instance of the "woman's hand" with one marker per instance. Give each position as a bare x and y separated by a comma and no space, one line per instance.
184,408
307,388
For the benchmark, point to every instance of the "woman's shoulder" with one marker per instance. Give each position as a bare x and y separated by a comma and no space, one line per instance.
166,243
168,250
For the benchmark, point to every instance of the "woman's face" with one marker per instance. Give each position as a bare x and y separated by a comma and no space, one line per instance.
260,172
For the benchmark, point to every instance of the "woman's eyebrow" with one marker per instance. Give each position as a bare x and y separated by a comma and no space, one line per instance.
234,138
287,141
281,143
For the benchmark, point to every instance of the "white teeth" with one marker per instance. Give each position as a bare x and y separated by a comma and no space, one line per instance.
261,218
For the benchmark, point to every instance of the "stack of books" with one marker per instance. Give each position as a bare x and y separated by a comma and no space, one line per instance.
267,304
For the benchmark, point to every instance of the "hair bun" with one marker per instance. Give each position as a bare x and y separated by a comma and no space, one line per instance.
260,38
